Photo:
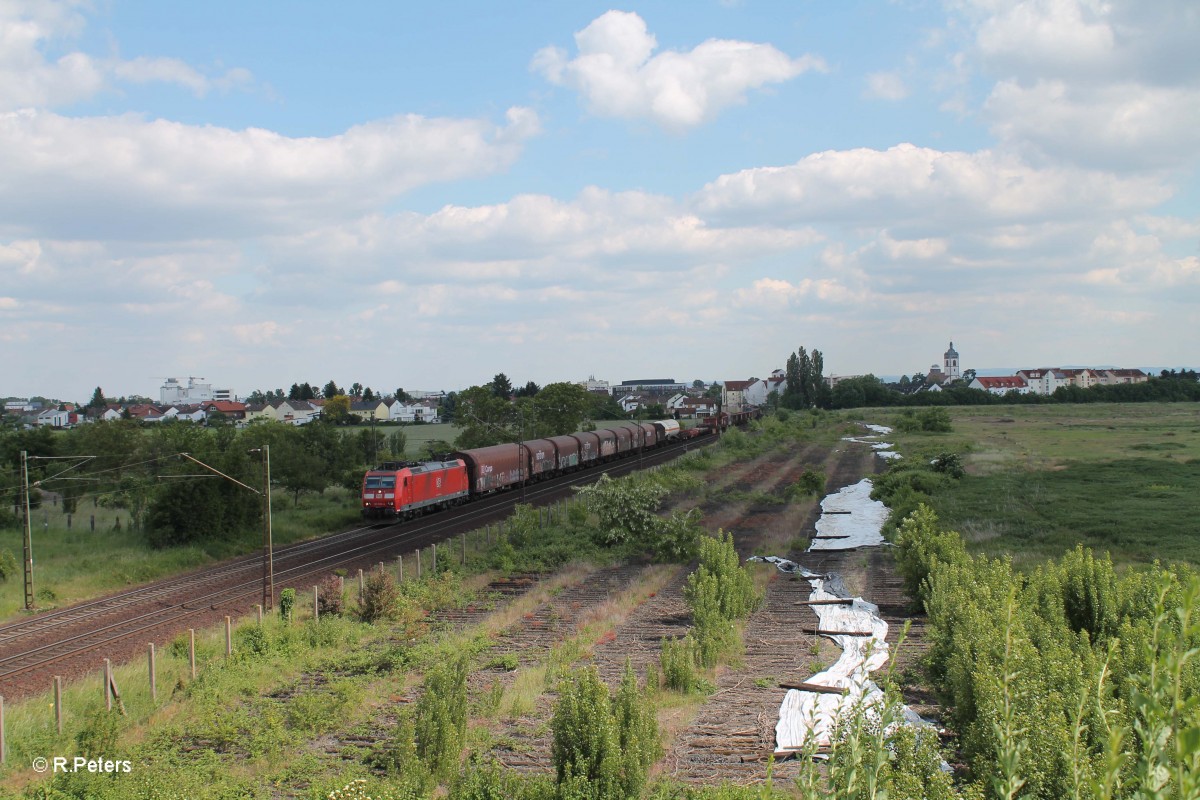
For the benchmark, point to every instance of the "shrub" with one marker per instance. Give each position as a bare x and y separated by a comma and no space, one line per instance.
380,597
8,565
810,484
678,660
679,536
441,717
329,596
626,508
603,745
287,604
717,593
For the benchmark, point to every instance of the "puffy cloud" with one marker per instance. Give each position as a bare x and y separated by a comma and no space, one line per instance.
1121,124
126,177
1091,82
921,188
618,75
28,79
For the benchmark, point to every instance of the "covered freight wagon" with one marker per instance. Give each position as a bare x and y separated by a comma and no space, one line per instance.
608,443
589,447
495,467
567,455
542,457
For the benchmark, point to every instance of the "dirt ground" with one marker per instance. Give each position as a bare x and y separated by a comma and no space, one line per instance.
733,733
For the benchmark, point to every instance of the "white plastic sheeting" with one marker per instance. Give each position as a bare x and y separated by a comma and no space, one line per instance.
862,525
882,449
852,514
815,714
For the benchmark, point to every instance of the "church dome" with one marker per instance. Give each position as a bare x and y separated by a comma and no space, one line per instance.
952,353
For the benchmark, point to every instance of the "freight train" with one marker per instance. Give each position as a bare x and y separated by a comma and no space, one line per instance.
406,489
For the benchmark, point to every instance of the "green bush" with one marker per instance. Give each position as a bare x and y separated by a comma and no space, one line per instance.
678,661
717,593
329,597
603,745
441,717
381,597
8,565
287,604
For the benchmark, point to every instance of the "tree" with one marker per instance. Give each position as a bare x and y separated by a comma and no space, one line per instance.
368,395
697,384
485,418
558,409
968,376
402,395
97,400
331,390
356,390
530,389
501,386
336,409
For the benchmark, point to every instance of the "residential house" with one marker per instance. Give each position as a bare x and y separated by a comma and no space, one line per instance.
733,395
1045,380
694,408
422,411
56,418
1083,378
1001,385
1109,377
297,412
632,402
367,410
757,392
230,409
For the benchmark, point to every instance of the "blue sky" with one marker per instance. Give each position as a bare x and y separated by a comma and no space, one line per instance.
423,195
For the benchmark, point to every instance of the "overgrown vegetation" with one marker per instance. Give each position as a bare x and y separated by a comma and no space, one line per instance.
719,592
1087,689
603,744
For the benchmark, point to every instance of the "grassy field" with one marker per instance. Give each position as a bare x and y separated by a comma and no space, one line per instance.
74,564
1118,478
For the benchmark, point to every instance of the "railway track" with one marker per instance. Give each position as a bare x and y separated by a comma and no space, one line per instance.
72,640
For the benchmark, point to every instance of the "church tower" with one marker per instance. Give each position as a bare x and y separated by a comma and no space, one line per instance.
951,368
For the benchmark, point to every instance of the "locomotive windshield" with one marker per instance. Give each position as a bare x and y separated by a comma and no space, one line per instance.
381,482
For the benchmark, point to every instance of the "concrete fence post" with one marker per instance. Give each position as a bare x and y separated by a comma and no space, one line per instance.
153,676
58,708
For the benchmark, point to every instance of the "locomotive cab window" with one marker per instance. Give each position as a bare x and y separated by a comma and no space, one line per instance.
388,482
374,481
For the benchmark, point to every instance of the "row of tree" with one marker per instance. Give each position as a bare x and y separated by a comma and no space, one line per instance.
307,391
494,414
173,500
869,391
805,382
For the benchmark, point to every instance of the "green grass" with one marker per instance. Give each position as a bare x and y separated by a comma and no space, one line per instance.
79,563
1118,478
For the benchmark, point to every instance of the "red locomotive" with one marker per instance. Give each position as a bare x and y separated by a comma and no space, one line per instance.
406,489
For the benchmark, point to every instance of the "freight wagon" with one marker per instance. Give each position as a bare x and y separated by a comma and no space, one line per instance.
404,490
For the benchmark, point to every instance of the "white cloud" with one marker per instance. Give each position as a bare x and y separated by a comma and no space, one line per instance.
618,75
921,188
1127,124
129,177
1107,83
886,86
913,249
29,80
